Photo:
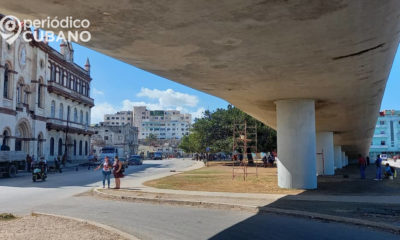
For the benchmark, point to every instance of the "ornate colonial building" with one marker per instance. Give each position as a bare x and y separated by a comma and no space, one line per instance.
44,101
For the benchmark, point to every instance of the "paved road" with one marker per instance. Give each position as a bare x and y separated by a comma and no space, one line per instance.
20,195
149,221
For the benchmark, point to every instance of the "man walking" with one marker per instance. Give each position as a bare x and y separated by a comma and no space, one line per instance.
378,164
363,164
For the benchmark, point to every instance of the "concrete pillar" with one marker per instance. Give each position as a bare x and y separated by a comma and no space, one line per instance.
325,146
296,144
338,157
343,159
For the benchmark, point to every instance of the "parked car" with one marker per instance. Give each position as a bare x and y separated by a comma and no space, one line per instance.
157,156
135,160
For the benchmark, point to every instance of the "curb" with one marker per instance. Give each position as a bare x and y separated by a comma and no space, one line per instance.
100,225
250,208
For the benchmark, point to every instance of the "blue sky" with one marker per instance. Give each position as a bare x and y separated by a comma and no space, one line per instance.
118,86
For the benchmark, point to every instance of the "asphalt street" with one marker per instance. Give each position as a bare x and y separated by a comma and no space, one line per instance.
60,195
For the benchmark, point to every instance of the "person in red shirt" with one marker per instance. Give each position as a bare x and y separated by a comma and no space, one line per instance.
363,164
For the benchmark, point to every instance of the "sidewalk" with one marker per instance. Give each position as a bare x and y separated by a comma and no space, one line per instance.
367,209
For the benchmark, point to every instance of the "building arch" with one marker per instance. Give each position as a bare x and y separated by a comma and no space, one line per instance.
53,109
40,93
7,80
60,147
6,138
52,146
23,135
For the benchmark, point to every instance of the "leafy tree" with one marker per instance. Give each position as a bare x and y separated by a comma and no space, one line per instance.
215,130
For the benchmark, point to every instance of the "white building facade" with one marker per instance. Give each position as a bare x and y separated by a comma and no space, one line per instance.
123,137
386,139
118,119
164,124
44,101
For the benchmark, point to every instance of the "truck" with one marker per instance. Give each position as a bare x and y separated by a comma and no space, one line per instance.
11,162
111,152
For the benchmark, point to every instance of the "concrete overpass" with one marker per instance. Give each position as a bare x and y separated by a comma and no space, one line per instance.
301,67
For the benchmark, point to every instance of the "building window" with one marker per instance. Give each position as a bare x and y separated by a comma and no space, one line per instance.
61,111
68,113
106,138
383,143
40,93
81,117
6,81
53,109
382,122
51,146
86,148
80,148
75,115
53,73
74,147
382,132
59,147
87,118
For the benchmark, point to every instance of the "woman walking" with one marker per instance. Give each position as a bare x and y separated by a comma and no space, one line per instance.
106,171
117,172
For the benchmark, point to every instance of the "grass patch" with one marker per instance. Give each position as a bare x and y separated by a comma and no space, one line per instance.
7,216
218,178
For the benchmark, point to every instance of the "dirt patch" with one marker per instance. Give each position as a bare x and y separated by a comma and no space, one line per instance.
218,177
40,227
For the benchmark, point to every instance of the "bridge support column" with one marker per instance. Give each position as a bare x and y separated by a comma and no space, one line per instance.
343,159
338,157
325,162
296,144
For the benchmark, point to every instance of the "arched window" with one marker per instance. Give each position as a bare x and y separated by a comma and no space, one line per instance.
61,111
68,113
81,117
86,148
53,73
6,139
80,148
87,119
61,76
57,77
59,147
75,115
40,93
74,147
53,109
6,81
51,146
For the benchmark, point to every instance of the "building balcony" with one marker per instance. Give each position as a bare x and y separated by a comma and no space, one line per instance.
58,89
379,146
380,135
64,125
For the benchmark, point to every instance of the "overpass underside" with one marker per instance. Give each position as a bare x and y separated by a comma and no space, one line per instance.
306,68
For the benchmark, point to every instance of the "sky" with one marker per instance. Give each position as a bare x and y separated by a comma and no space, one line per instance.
119,86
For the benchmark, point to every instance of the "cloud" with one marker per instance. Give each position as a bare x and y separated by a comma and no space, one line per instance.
97,92
198,114
98,111
169,97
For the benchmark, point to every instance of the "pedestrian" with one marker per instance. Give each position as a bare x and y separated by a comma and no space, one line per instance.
368,161
28,162
118,169
378,163
388,171
106,165
363,164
